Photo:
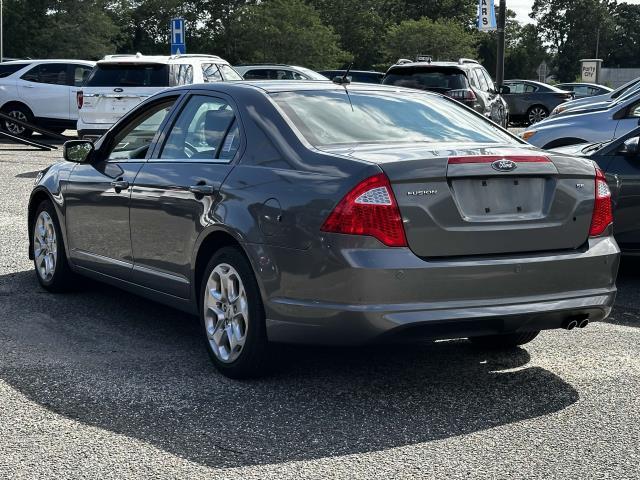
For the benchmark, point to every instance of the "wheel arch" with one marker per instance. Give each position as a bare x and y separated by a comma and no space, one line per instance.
37,197
563,142
210,243
12,103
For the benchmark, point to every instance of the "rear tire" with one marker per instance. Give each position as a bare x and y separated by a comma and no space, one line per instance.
21,113
232,316
49,257
536,114
504,341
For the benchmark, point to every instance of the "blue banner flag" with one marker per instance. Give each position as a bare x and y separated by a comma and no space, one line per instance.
486,16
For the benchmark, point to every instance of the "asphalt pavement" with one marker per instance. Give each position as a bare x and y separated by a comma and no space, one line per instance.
99,383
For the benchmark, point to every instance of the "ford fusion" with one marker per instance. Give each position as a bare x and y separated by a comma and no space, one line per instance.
336,214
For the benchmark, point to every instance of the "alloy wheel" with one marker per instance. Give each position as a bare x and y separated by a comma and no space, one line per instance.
226,313
537,114
45,246
14,128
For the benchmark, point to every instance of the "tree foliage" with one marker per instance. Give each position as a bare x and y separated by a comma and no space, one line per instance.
327,33
442,39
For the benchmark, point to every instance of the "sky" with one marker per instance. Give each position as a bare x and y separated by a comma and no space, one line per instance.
523,8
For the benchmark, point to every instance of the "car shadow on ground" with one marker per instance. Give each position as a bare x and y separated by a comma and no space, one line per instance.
112,360
626,310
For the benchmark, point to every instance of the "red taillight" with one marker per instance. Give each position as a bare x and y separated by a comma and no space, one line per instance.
602,214
462,94
369,209
80,99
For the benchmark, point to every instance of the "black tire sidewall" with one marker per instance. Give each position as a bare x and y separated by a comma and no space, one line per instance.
251,361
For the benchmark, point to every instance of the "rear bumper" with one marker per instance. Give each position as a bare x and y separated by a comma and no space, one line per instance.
362,295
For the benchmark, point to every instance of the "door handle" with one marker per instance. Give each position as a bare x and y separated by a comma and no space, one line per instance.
201,189
28,86
120,185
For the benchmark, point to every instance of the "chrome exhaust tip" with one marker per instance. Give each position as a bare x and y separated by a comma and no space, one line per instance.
583,323
570,324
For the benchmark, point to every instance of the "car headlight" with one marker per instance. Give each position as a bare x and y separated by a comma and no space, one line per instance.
558,109
528,134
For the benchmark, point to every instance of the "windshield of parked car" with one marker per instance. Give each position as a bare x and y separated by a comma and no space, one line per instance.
439,79
624,88
353,117
129,75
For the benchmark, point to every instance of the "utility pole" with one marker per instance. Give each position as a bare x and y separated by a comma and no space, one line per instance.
502,16
1,35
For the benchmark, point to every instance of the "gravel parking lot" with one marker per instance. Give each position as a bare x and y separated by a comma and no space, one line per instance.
102,384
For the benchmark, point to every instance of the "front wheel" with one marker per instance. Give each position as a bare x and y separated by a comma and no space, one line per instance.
49,257
232,315
504,341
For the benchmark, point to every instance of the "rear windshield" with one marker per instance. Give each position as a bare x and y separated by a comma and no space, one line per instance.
342,117
6,70
129,75
432,78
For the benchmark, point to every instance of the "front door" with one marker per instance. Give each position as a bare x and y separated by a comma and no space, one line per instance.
98,195
175,193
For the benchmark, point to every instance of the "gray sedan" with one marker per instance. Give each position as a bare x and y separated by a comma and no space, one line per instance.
530,102
311,212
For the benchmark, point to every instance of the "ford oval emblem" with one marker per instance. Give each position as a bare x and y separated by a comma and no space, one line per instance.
504,165
118,90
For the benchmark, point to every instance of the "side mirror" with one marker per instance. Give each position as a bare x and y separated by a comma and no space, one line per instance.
504,90
77,151
630,147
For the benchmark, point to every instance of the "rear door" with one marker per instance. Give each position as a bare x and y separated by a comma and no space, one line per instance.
175,194
98,195
45,89
113,89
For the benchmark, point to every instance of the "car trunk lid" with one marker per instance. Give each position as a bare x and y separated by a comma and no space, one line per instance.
486,200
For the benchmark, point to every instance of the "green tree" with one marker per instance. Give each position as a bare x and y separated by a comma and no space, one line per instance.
624,42
58,29
571,27
443,39
286,31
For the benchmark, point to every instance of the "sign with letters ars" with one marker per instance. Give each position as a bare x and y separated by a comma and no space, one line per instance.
486,16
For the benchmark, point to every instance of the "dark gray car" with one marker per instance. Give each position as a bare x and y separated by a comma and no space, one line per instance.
530,102
317,213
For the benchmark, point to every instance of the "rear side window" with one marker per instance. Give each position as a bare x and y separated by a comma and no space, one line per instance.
6,70
482,81
80,74
51,73
355,117
205,131
181,74
433,78
129,75
210,73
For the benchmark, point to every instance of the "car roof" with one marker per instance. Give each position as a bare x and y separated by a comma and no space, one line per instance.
278,86
48,60
534,82
162,59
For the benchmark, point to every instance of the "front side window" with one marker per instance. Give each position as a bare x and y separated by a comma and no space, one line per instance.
206,130
133,141
229,73
487,79
482,81
51,73
257,74
335,117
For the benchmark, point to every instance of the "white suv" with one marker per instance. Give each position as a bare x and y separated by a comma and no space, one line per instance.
41,92
120,82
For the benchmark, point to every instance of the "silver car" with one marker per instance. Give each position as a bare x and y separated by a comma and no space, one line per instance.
598,101
312,212
590,126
